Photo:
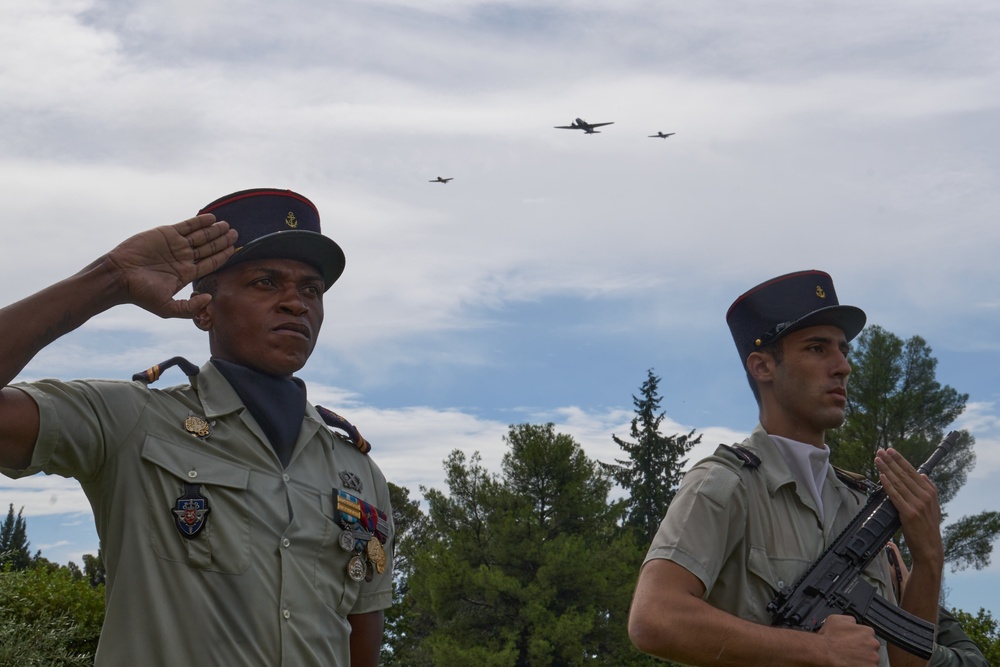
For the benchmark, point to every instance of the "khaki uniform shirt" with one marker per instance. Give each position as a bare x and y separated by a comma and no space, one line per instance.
264,583
745,541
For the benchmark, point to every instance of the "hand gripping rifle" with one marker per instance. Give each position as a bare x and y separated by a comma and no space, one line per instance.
833,584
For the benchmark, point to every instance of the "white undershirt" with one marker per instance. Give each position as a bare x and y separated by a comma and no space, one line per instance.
808,464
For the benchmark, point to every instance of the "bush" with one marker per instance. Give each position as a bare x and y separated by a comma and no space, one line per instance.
48,617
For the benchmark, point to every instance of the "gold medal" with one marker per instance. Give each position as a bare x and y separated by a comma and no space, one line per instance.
376,554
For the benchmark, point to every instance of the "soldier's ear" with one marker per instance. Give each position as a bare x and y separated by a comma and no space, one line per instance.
203,316
760,366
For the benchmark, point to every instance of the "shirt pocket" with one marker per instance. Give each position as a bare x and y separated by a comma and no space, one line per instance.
223,542
772,573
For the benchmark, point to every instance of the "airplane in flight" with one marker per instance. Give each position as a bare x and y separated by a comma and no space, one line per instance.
661,135
581,124
441,180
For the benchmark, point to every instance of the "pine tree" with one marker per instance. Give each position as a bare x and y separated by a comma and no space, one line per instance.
654,467
14,543
895,400
524,568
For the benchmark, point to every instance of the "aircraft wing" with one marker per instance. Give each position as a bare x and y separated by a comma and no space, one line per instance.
568,127
600,124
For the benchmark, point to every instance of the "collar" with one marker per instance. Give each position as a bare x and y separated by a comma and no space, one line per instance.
775,469
218,398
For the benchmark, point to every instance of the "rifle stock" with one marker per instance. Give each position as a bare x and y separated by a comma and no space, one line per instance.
833,584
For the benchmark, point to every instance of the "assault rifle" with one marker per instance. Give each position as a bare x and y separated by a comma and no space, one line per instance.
833,584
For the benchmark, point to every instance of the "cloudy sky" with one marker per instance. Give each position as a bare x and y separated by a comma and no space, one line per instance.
556,268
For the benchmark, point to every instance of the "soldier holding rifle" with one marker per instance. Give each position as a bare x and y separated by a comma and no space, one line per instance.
751,519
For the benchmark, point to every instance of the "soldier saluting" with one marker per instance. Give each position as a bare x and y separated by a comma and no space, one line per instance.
237,528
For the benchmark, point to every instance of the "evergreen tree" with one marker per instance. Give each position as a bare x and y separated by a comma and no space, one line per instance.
895,400
93,569
527,567
405,628
654,467
14,543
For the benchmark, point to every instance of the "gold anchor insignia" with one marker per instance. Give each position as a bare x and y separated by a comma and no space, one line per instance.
291,220
198,426
820,293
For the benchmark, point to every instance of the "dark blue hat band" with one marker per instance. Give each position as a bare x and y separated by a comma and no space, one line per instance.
278,224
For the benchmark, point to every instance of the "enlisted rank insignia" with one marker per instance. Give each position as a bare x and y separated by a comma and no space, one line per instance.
191,511
198,426
351,481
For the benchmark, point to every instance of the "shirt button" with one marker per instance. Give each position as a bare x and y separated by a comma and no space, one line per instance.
285,477
286,542
286,614
192,473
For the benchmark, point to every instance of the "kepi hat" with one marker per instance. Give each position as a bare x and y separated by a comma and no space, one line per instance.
794,301
278,224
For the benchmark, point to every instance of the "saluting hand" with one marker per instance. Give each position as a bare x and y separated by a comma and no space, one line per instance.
153,266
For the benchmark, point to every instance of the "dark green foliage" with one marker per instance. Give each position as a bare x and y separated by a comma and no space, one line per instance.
984,630
14,541
48,617
654,468
895,400
405,629
93,569
968,542
523,568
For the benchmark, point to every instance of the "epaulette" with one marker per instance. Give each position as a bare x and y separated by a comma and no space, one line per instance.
856,481
338,422
749,459
151,375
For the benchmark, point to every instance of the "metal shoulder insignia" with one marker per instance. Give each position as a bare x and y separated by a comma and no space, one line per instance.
338,422
747,458
151,375
856,481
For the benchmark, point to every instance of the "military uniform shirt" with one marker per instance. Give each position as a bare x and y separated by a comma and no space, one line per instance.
748,533
954,648
264,583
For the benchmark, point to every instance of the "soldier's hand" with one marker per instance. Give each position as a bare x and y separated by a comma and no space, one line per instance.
850,644
149,268
915,498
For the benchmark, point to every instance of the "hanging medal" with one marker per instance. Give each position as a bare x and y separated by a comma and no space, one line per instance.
356,568
365,530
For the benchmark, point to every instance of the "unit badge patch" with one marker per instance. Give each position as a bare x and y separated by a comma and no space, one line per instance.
191,511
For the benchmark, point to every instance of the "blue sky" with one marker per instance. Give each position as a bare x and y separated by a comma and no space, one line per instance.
556,268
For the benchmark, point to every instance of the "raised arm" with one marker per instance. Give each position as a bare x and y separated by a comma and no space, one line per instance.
147,270
669,619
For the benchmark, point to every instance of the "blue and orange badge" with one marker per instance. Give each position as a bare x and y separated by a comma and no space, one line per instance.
366,528
191,511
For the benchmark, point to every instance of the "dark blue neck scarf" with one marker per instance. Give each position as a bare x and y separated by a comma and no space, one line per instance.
277,403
